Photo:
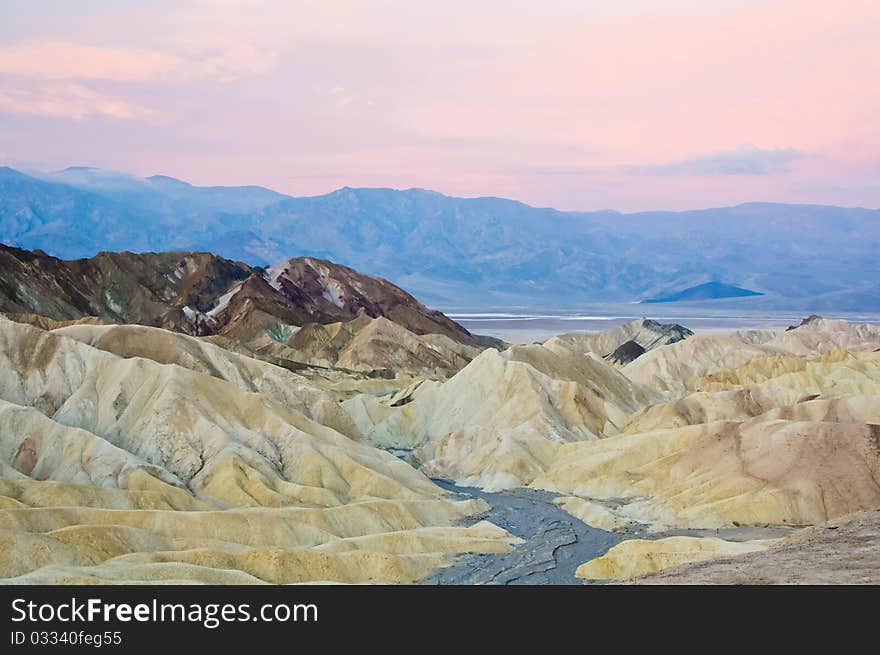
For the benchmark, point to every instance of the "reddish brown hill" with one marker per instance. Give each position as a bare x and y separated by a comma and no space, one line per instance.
200,293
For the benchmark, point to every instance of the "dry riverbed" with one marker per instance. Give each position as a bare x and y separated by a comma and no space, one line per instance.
555,542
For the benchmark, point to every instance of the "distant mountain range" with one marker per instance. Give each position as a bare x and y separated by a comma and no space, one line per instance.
467,252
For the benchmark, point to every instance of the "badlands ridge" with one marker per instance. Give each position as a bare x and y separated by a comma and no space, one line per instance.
182,418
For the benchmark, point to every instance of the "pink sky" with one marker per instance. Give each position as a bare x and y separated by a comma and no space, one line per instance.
644,104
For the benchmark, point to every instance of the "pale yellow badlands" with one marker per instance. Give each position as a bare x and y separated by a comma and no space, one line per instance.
245,373
727,473
499,422
748,434
124,469
680,366
135,454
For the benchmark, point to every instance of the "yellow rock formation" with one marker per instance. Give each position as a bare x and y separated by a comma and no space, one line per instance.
636,557
498,422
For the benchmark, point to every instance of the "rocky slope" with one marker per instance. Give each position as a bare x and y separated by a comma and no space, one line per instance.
363,347
378,344
164,290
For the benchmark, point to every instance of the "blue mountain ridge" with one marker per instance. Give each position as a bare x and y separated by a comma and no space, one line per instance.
449,250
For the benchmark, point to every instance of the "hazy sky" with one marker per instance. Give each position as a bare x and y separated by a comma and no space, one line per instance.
629,104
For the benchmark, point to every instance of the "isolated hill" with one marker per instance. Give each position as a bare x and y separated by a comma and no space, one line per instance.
708,291
467,250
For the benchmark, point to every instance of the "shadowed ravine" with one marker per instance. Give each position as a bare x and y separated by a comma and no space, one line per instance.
556,543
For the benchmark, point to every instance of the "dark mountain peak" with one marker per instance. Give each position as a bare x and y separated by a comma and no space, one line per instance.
670,332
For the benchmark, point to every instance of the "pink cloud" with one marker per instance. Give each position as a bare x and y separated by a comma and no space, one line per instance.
71,101
69,60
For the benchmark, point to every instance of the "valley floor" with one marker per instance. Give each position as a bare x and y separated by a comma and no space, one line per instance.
523,326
